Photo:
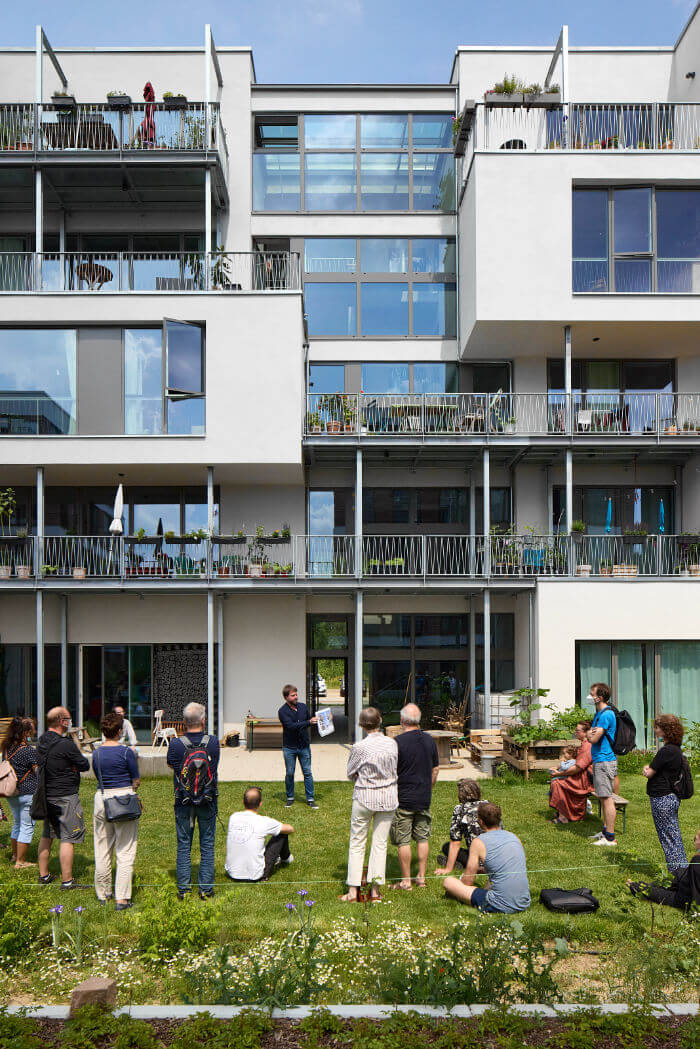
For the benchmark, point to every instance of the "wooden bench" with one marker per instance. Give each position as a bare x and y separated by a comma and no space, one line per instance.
4,725
620,806
263,734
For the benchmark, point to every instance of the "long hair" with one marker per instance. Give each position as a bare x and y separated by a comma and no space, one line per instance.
17,732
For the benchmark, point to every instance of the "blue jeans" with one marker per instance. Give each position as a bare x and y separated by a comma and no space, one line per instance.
290,764
23,824
185,818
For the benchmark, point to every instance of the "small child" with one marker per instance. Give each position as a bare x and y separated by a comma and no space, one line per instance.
568,756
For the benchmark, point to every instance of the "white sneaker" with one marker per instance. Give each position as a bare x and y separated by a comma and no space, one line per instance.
596,837
290,859
604,841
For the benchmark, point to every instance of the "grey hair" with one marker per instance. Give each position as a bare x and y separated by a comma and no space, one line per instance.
408,716
194,714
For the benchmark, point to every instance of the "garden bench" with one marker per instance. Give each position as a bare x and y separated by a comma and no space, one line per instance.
620,806
263,734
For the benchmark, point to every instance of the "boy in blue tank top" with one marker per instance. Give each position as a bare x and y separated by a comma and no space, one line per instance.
503,858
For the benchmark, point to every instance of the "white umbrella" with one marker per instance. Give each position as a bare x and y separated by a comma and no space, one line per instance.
116,525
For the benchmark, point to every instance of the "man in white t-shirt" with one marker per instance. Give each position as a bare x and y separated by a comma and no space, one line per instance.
248,858
128,736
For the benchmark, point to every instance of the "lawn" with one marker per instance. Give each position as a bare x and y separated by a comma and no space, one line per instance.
557,856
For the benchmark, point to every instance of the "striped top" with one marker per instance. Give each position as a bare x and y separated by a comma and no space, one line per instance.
372,765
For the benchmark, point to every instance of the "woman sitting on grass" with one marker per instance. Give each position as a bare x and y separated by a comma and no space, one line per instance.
683,891
463,825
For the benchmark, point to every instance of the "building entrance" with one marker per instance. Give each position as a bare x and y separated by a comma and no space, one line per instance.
329,663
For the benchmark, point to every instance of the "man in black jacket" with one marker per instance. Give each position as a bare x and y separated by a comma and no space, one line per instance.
295,721
61,763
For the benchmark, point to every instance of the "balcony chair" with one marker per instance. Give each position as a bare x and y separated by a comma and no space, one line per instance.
584,419
161,735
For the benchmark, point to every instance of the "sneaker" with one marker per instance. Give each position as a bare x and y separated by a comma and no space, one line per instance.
604,841
184,894
46,879
596,837
123,906
206,895
290,859
288,803
67,885
312,805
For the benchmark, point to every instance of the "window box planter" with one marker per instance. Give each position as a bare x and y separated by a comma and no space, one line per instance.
22,571
333,427
255,571
635,540
491,98
5,571
119,101
583,570
526,757
577,538
175,102
79,572
231,540
545,100
66,102
274,540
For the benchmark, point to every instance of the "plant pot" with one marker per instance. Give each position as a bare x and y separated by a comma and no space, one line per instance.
577,538
491,98
22,571
634,540
119,101
694,571
607,570
5,571
583,570
619,570
332,427
255,571
316,428
509,428
64,101
544,100
274,540
175,102
79,572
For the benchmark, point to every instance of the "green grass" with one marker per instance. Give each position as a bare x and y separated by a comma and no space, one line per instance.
320,845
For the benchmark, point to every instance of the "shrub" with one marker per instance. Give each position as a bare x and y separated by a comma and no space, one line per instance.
162,928
205,1029
17,1031
23,919
90,1025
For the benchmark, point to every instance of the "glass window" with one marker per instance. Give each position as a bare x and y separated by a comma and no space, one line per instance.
327,378
385,181
382,130
434,255
442,505
385,378
499,509
383,255
632,220
590,240
633,275
385,685
330,182
435,309
329,633
386,505
143,380
441,631
384,309
432,130
678,240
595,664
276,182
275,131
489,378
639,376
149,507
37,381
329,131
330,308
184,358
387,631
330,255
433,182
435,378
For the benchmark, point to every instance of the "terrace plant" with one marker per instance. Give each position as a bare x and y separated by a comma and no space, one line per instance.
8,503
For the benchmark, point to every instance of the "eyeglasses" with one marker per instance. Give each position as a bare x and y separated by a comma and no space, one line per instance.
64,719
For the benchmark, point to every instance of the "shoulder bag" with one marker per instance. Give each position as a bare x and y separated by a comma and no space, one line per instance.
121,808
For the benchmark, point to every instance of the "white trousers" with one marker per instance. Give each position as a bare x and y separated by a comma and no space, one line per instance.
360,821
113,840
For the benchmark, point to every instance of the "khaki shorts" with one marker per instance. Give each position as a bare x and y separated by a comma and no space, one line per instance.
604,773
66,821
409,824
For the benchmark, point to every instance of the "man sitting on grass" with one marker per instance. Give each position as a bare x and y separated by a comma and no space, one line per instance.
248,858
684,890
503,859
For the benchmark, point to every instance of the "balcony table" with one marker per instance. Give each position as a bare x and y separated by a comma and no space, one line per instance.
93,274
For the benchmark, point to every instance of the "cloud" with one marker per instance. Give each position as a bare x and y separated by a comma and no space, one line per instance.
325,12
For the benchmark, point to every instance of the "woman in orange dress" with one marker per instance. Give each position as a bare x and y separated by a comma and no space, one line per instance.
570,789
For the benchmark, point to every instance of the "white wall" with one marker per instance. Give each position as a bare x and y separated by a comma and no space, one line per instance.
685,60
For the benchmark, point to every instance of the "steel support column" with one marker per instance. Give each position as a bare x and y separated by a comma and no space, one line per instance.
210,663
220,657
207,226
486,483
359,604
40,711
472,657
358,513
530,638
487,658
472,523
64,650
569,488
568,407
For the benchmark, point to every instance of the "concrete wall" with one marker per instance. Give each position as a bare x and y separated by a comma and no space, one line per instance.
685,60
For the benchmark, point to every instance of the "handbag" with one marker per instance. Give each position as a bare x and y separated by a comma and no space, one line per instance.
569,901
121,808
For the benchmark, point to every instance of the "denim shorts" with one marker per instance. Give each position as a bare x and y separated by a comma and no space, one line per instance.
479,901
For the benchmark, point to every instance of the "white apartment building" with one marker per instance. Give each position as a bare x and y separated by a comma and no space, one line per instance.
359,356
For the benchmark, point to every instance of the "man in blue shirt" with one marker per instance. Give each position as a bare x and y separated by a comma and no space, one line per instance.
295,721
187,814
601,736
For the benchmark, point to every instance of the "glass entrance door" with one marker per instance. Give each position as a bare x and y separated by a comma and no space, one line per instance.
329,681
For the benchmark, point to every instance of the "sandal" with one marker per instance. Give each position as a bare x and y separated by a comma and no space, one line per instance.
23,864
347,898
404,888
376,899
421,884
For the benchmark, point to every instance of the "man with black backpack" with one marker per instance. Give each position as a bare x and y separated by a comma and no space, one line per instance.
194,759
601,735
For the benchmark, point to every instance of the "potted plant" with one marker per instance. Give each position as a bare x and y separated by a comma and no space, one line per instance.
633,536
118,100
172,101
313,422
238,537
140,535
509,425
583,570
506,92
64,103
577,531
169,536
606,568
286,570
79,572
286,530
349,415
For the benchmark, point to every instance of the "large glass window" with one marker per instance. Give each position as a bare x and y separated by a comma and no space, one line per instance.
435,310
384,309
330,255
329,131
590,240
143,380
330,182
678,240
434,255
382,130
432,130
435,378
331,308
378,377
184,364
433,182
276,182
37,381
384,255
442,506
327,378
386,506
384,181
382,630
610,510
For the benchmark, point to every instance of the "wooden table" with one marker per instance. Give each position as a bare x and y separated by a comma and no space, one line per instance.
443,740
82,740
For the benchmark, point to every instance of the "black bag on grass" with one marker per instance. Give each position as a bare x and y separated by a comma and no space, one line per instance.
569,901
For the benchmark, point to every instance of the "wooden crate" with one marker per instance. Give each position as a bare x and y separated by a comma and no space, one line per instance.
488,741
264,734
542,754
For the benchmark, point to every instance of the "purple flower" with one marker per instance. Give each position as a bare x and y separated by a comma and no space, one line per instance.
58,909
79,910
309,903
302,892
290,906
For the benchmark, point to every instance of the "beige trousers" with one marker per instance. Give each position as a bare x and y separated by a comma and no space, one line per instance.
360,821
118,840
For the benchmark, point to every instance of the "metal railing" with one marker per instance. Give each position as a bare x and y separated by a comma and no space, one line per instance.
503,414
587,126
80,271
106,127
161,558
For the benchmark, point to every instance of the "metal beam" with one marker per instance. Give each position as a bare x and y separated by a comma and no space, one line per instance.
472,658
567,378
207,223
40,706
210,663
358,513
211,47
487,658
40,509
569,488
357,731
220,657
210,500
43,44
64,650
530,639
486,488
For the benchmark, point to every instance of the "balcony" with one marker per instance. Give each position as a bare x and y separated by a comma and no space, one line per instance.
165,560
624,127
110,272
504,415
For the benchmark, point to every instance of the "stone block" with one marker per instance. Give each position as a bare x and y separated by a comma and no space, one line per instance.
98,990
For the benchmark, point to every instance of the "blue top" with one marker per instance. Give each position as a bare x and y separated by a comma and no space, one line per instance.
177,751
295,725
119,766
506,867
602,751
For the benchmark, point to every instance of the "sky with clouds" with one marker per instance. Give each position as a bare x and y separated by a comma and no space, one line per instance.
336,41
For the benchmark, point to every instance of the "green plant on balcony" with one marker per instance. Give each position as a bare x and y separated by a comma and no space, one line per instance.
194,132
286,530
140,534
313,422
8,503
220,268
169,536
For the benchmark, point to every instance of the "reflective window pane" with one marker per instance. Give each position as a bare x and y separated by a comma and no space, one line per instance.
186,416
330,255
330,182
383,255
384,181
143,380
435,309
384,309
276,182
589,275
433,182
435,378
37,381
378,377
632,219
327,378
432,130
386,506
184,358
590,224
633,275
384,130
434,255
678,223
329,131
678,277
387,631
330,308
442,505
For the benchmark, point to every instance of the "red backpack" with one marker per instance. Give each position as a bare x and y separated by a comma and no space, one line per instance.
195,783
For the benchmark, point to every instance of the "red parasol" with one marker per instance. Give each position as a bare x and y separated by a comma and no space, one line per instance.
147,127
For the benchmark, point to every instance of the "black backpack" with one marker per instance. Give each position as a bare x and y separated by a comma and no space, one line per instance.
625,732
683,786
569,901
195,783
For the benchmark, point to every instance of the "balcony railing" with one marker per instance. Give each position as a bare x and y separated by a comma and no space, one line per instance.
109,272
102,127
140,559
503,414
622,127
